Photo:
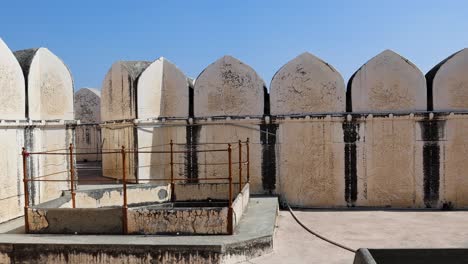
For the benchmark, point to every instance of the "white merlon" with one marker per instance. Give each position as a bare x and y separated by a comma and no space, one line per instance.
228,87
307,84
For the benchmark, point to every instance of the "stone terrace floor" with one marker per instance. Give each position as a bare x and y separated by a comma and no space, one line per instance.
355,229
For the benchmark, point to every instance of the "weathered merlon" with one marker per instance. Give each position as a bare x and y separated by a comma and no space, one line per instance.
228,87
387,83
119,90
49,85
12,90
307,84
163,91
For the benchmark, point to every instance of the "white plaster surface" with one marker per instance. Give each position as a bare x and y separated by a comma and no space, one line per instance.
12,86
307,84
388,83
163,91
153,137
450,84
50,87
11,175
228,87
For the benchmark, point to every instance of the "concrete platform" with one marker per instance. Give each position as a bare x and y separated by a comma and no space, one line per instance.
253,237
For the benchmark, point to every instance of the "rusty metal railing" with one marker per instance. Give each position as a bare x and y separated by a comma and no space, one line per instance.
123,152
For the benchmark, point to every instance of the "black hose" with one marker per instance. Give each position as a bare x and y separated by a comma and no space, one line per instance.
316,234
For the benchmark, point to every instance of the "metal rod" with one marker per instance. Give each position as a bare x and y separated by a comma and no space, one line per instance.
26,193
240,166
111,180
172,172
124,182
72,177
248,160
230,223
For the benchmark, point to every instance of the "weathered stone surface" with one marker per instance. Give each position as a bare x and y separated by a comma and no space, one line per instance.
232,132
114,196
228,87
49,84
12,90
177,220
311,162
307,84
389,163
119,90
163,91
88,134
88,105
114,137
448,83
387,83
453,180
11,185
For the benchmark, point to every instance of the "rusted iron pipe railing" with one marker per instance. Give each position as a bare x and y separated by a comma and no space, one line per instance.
240,166
172,172
72,177
124,183
248,160
26,193
230,211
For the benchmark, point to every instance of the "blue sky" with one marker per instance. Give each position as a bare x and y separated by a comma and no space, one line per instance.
90,35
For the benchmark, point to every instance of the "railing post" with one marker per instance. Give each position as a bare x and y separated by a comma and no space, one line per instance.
248,159
172,172
124,182
230,222
240,166
26,192
72,176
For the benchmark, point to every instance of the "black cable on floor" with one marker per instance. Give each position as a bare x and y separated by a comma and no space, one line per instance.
316,234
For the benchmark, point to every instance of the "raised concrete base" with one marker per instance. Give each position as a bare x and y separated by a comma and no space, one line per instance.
253,237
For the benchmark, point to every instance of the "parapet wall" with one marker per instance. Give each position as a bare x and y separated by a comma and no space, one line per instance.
394,138
36,112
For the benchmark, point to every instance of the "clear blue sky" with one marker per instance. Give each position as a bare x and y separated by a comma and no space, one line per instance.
90,35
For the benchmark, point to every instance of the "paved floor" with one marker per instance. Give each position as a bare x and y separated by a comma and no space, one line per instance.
355,229
90,173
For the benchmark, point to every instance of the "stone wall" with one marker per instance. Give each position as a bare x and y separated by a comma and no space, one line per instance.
394,138
88,132
36,113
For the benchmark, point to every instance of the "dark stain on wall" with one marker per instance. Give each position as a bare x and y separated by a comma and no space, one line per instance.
191,158
431,132
350,137
268,141
31,165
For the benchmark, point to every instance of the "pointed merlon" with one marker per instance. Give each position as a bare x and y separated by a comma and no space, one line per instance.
12,90
307,84
49,85
447,83
228,87
387,83
163,91
119,90
88,105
